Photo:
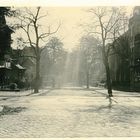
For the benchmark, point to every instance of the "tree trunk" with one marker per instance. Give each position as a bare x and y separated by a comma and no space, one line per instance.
37,78
87,79
108,77
109,84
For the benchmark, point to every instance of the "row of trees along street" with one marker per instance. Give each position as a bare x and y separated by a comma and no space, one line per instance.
29,23
91,58
53,62
109,23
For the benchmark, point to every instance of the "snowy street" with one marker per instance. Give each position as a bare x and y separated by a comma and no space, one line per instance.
71,113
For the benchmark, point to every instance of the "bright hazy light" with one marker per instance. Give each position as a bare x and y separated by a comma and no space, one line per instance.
72,20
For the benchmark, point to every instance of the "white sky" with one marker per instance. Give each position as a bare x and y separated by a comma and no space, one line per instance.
70,30
70,18
70,2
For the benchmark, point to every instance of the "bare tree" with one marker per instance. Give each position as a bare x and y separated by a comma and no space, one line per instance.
89,54
120,37
106,19
56,54
29,23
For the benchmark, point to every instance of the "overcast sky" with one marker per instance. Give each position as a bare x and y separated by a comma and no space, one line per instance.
70,2
71,18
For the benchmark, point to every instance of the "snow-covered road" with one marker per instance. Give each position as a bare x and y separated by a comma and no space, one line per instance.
72,113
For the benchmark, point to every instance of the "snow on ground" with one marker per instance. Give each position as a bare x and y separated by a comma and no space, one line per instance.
72,113
15,93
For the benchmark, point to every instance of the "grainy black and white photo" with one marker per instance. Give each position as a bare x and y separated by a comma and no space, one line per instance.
69,71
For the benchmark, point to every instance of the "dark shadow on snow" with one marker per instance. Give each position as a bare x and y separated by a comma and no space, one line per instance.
115,113
10,110
46,92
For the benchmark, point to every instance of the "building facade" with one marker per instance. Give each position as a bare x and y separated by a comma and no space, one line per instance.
125,64
134,32
10,72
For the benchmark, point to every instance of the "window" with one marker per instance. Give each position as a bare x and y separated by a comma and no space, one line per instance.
8,64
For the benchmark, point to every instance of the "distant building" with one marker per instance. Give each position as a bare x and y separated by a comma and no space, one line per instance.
28,61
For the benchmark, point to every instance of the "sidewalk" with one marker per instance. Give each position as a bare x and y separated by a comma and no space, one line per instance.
15,93
21,93
43,91
119,93
4,95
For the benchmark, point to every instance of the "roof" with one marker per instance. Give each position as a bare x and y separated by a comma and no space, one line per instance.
20,67
6,28
4,67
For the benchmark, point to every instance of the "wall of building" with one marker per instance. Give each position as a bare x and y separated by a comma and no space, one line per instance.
124,71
